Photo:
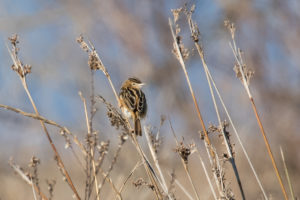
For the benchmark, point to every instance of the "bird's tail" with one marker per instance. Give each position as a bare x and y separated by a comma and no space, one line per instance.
137,126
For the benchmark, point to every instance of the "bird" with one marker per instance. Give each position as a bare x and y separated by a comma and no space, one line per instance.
133,102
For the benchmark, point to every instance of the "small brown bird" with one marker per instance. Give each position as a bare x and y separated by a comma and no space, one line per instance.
133,102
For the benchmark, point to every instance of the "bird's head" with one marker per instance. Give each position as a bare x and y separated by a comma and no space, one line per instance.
134,82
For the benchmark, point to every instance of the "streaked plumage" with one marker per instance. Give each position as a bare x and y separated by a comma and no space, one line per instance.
133,102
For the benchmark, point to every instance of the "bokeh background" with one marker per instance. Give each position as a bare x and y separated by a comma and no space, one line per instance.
133,39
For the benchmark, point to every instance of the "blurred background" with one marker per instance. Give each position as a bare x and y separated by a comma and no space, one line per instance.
133,39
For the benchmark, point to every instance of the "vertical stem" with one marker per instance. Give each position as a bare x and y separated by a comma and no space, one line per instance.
50,140
287,175
180,58
269,149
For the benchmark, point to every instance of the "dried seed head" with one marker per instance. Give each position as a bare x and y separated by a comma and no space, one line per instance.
94,62
18,66
26,69
183,151
182,50
176,13
231,27
140,182
83,44
116,118
14,39
103,147
247,72
34,161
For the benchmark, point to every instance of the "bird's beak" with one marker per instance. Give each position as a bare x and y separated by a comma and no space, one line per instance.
142,84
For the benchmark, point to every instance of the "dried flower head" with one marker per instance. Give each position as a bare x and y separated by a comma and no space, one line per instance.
14,39
116,118
18,66
103,147
34,161
141,182
176,13
94,62
231,27
50,186
82,43
247,72
182,50
183,151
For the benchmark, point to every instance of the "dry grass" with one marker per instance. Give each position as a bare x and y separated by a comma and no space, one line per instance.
155,179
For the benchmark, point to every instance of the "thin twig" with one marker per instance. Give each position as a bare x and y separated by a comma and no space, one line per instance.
238,58
22,77
287,175
88,124
181,61
155,159
183,189
184,163
150,172
106,177
46,121
19,171
207,176
237,134
195,35
138,164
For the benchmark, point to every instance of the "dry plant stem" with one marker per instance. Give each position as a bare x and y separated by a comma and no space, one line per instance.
240,62
155,159
207,176
190,178
106,177
88,124
287,175
185,164
183,189
34,195
18,170
23,79
237,135
269,150
214,169
229,152
93,143
150,172
47,121
148,167
181,61
138,164
117,153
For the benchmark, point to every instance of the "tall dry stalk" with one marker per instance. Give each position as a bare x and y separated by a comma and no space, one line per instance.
195,35
22,71
245,75
97,64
